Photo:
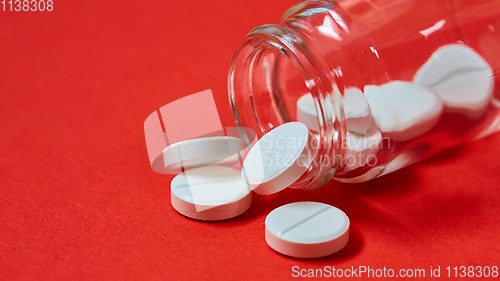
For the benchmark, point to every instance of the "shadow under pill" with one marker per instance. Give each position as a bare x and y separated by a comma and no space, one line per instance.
350,251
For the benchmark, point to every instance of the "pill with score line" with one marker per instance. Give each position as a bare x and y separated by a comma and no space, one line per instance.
461,78
198,152
210,193
307,230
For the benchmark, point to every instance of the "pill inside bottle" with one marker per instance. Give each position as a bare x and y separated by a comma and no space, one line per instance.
379,93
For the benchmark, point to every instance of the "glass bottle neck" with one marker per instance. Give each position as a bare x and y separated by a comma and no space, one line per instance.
270,69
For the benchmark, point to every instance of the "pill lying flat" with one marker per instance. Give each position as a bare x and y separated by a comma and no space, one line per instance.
361,149
357,111
201,151
460,77
279,158
210,193
307,230
402,110
306,112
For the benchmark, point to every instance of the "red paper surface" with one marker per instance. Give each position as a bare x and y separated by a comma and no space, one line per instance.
78,198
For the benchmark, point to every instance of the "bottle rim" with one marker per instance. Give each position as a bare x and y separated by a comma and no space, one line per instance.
322,84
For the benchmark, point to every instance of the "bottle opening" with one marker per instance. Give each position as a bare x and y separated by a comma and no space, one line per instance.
270,71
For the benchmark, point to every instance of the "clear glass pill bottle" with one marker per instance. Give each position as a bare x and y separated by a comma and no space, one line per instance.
325,48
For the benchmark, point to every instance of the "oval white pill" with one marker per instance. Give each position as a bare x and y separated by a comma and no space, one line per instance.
460,77
202,151
307,230
306,112
210,193
402,110
357,111
279,158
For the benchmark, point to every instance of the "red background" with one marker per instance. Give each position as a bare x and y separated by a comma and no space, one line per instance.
78,199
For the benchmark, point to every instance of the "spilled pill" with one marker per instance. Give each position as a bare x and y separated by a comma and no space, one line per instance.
210,193
279,158
307,230
201,151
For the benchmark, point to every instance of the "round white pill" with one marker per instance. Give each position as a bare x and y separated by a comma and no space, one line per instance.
210,193
402,110
279,158
307,230
201,151
460,77
306,112
357,111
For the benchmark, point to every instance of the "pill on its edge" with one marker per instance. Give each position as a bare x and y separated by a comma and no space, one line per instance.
279,158
361,149
357,111
306,112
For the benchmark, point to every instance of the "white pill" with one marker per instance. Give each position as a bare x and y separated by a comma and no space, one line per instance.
307,230
202,151
279,158
460,77
357,111
306,112
361,149
402,110
210,193
356,108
